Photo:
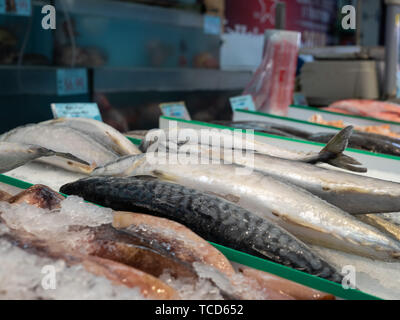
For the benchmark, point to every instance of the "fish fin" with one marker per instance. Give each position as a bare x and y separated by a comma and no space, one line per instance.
342,162
69,156
332,153
339,141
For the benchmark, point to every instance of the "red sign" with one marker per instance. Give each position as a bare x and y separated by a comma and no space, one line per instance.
312,17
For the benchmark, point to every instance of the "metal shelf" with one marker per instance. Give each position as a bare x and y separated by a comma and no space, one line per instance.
110,80
127,10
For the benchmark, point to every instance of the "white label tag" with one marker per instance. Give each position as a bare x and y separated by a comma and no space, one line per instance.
175,110
16,7
72,81
212,24
242,102
76,110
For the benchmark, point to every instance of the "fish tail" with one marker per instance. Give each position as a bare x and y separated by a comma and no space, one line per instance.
332,153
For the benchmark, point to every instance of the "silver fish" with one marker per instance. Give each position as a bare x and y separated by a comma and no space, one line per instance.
101,132
63,139
352,193
14,155
301,213
332,153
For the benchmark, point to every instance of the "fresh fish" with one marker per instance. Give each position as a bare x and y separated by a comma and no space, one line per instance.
149,244
210,217
78,276
39,196
352,193
332,153
303,214
99,131
381,224
367,108
14,155
267,127
173,237
283,286
358,140
365,141
63,139
97,238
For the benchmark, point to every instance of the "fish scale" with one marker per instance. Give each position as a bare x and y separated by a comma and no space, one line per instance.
212,218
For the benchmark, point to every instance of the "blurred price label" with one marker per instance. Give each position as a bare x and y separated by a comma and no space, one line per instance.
16,7
299,99
76,110
175,110
212,24
242,102
72,81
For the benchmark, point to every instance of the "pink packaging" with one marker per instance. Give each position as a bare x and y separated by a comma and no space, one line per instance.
272,84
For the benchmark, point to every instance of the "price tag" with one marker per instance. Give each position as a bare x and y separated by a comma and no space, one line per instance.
76,110
175,110
71,81
299,99
16,7
212,24
242,102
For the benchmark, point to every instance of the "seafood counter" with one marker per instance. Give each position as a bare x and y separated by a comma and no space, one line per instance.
150,239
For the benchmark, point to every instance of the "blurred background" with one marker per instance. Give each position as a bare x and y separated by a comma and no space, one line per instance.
130,56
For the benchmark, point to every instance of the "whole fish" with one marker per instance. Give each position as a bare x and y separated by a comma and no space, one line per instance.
63,139
358,140
101,132
211,217
352,193
78,276
301,213
267,127
14,155
332,153
149,244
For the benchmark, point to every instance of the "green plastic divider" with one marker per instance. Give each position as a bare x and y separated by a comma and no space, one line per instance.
257,133
343,114
260,264
134,140
294,275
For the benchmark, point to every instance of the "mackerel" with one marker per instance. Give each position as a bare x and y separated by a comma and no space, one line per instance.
298,211
211,217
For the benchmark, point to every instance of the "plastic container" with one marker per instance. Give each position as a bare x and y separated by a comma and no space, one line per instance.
272,85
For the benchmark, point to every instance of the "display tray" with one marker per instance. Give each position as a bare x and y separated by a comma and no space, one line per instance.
305,112
381,166
260,264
